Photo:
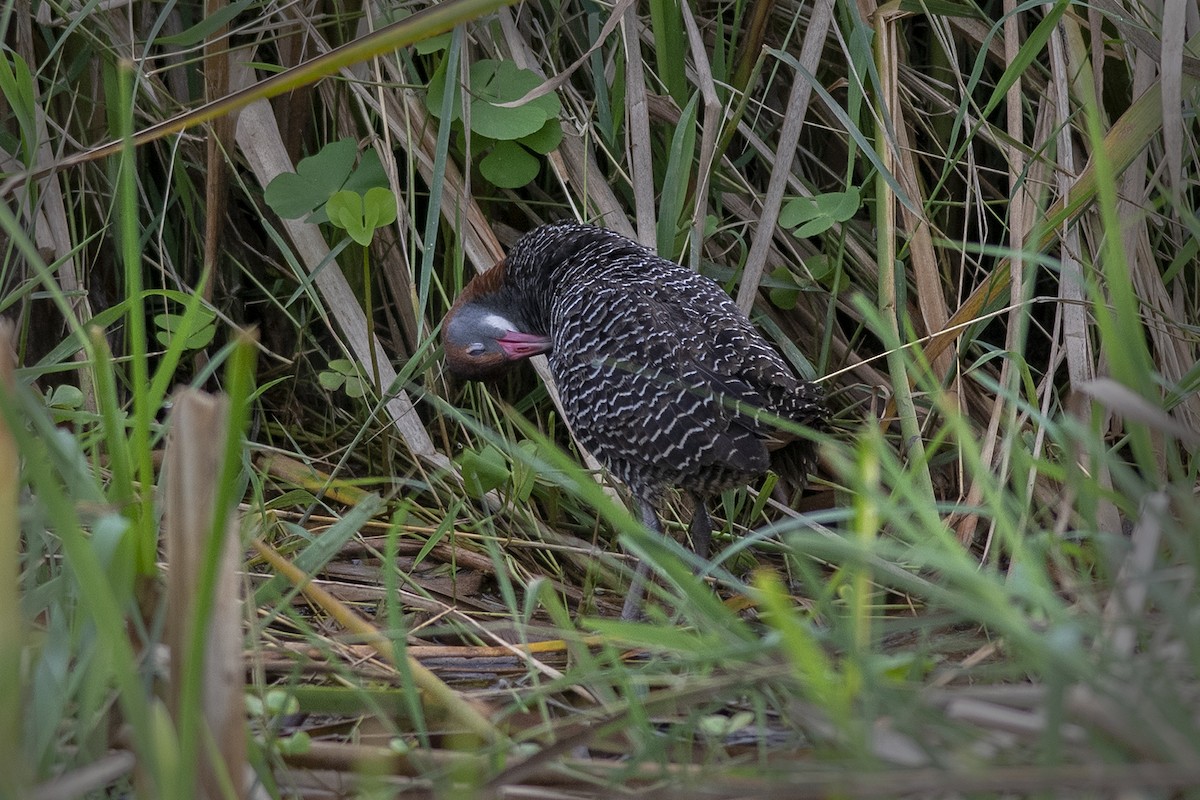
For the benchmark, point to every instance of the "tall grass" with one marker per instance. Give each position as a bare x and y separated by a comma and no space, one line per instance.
990,588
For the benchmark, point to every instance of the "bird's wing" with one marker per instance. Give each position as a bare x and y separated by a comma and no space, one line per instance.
748,373
631,384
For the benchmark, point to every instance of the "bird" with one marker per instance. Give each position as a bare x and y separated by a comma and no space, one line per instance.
660,374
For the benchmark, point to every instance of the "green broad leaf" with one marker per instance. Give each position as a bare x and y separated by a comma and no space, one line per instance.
820,267
546,139
379,206
840,206
495,82
812,216
814,227
501,123
797,211
368,174
436,92
900,667
64,403
292,195
65,396
718,726
343,366
484,470
360,215
509,166
824,271
492,83
787,290
280,701
331,381
345,211
197,336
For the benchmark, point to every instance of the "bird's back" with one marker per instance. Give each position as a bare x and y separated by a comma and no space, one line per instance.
663,377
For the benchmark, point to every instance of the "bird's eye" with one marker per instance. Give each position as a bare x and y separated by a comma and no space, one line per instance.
476,349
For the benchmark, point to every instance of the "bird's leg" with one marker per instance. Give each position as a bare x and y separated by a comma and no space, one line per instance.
700,531
632,609
637,587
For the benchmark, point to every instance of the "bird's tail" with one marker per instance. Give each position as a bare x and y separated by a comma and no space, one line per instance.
794,462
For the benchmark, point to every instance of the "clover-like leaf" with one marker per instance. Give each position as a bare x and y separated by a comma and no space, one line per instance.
784,291
379,207
492,83
292,195
305,192
509,166
812,216
546,138
64,402
435,94
65,396
368,174
280,701
343,374
297,744
497,122
198,332
331,380
360,215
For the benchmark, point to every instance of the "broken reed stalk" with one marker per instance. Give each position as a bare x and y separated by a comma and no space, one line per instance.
191,474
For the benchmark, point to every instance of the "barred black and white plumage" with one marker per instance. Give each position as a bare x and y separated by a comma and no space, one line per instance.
659,373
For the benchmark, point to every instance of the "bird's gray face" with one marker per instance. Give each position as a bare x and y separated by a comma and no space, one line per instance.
481,342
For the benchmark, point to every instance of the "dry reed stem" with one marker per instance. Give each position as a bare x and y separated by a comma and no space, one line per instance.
781,168
641,168
195,448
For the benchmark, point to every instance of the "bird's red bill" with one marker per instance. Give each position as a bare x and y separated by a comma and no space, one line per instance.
523,345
